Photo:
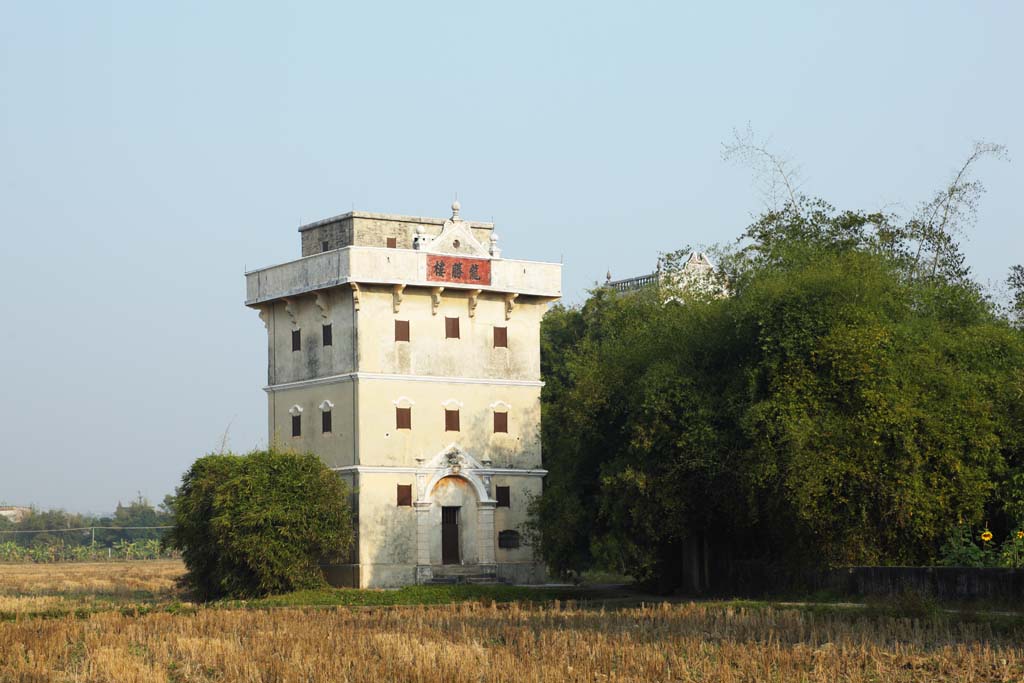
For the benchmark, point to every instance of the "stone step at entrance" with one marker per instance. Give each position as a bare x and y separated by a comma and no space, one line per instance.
470,573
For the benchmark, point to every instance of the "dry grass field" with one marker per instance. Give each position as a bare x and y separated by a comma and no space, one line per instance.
475,641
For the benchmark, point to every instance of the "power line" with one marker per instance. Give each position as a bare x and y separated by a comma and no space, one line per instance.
84,528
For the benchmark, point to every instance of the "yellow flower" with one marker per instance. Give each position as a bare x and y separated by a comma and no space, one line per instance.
986,535
1020,534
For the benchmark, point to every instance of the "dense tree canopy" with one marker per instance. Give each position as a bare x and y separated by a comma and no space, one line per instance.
259,523
847,404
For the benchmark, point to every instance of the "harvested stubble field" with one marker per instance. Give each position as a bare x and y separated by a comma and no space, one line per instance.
486,641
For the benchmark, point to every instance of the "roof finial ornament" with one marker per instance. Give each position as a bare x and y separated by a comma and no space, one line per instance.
455,208
608,276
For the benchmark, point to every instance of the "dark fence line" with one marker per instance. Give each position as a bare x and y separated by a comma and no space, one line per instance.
944,583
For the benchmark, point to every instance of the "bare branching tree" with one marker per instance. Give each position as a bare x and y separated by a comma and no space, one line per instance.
947,216
776,177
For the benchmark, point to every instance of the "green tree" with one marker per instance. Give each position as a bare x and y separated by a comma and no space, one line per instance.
259,523
839,407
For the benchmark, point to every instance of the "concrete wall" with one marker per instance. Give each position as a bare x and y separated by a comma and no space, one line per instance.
372,230
428,352
367,265
336,449
521,490
387,532
380,443
313,359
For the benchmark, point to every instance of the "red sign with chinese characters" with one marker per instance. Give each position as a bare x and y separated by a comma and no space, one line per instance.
470,271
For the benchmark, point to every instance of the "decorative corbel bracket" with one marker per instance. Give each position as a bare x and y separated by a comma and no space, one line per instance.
473,294
264,312
355,294
323,302
435,298
291,307
396,293
510,304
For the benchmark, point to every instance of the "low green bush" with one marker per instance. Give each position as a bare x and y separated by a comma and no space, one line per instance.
259,524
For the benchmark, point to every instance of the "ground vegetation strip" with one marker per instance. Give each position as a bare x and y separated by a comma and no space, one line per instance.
476,642
139,631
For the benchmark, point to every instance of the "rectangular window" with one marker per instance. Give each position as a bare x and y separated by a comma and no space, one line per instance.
326,421
501,494
405,495
403,418
296,340
324,246
451,328
508,539
401,330
328,335
500,337
451,420
501,423
296,425
392,243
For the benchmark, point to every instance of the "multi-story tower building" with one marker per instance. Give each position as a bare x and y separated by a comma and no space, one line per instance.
405,353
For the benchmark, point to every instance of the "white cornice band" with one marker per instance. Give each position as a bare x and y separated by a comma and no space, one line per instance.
503,471
356,376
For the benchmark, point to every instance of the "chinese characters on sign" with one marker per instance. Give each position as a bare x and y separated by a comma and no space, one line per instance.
458,269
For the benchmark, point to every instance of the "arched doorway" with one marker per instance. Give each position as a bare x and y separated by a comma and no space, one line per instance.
454,522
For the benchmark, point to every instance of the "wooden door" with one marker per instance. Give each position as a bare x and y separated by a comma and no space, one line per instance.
450,535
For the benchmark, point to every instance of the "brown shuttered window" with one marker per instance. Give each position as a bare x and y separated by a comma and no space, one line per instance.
451,420
296,340
451,328
326,422
501,494
403,418
328,335
405,495
501,423
501,337
392,243
401,330
296,425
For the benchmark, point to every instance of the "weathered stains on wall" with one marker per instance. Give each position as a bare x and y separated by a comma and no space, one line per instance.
374,230
313,359
429,352
521,491
337,235
337,448
382,444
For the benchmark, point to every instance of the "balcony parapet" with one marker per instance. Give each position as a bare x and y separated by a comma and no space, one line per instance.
379,265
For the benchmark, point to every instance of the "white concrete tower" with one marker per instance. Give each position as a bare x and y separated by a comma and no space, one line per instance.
405,353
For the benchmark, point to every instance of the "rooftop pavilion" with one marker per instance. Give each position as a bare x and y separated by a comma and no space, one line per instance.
359,248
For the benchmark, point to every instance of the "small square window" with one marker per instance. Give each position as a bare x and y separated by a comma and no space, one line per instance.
296,340
326,421
325,246
500,337
392,243
451,420
328,335
405,495
501,494
296,425
451,328
401,330
501,423
403,418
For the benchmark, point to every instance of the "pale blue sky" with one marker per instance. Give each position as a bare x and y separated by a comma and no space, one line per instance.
150,152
